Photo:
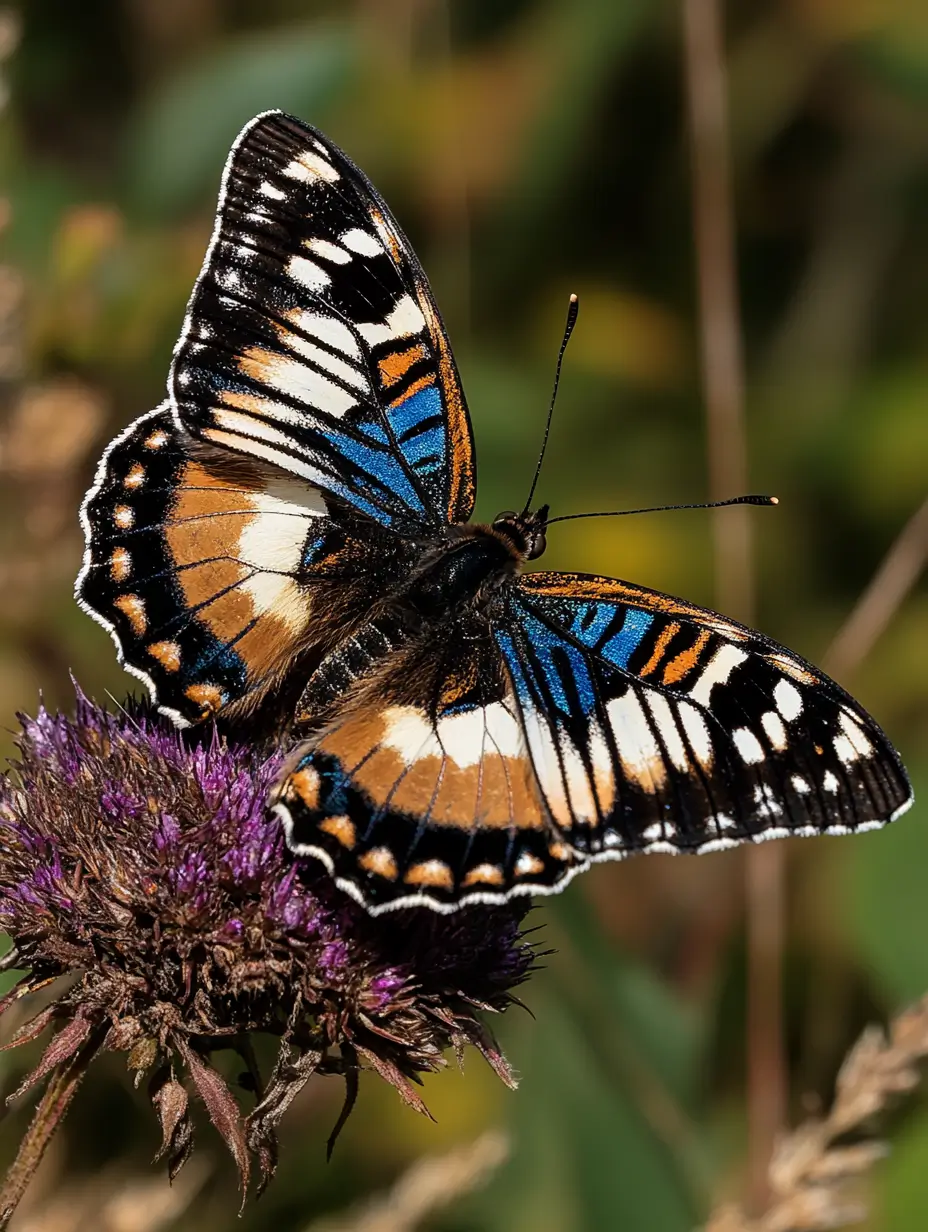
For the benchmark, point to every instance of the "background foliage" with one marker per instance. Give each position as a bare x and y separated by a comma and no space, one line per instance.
530,148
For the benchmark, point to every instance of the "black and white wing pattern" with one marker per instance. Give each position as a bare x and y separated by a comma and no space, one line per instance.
312,340
420,790
655,725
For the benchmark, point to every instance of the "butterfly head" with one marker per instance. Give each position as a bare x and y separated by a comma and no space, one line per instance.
526,530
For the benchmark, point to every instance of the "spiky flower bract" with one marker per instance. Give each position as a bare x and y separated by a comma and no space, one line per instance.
142,863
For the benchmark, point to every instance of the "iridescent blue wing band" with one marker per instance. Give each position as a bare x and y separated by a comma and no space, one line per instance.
312,340
655,725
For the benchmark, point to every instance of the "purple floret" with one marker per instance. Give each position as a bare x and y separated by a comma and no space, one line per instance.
143,863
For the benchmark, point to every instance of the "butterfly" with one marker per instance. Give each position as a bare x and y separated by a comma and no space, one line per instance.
289,532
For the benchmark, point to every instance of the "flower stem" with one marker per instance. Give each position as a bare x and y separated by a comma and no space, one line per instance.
51,1111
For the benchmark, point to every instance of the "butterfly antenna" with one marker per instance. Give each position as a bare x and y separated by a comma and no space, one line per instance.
572,309
621,513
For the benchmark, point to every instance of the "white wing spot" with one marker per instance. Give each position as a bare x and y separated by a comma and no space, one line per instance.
800,785
298,380
830,782
347,372
267,189
845,750
309,166
748,746
669,732
696,732
503,731
462,737
405,319
311,275
329,251
638,750
362,242
579,787
772,724
855,734
327,329
716,671
527,865
124,517
788,700
410,734
766,801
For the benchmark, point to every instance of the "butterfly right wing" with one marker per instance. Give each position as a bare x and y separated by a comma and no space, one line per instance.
656,725
213,573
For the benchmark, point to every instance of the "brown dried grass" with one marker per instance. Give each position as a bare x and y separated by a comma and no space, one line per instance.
817,1172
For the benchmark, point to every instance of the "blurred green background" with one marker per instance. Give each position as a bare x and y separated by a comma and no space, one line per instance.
530,148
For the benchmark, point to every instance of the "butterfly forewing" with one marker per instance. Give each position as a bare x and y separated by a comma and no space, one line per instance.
312,340
654,725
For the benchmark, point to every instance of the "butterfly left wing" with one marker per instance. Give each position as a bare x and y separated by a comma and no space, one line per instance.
312,339
655,725
215,573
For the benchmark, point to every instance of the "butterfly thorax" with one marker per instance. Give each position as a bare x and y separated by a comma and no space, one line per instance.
457,588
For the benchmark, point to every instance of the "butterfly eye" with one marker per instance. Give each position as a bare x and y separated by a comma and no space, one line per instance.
536,543
508,515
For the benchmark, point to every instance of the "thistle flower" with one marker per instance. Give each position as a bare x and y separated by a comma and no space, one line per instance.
143,864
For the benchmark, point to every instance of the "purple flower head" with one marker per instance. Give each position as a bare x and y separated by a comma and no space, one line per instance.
143,863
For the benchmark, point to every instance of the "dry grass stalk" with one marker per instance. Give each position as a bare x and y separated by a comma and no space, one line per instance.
885,593
816,1170
429,1185
115,1202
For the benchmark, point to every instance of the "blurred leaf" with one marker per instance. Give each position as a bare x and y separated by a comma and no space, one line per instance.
583,46
901,1190
179,140
886,902
585,1155
898,52
601,1128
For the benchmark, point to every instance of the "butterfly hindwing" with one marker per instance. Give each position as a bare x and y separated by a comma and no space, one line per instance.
214,573
421,791
654,725
312,339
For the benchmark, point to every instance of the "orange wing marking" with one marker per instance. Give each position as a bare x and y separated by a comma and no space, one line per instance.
660,648
394,367
686,660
